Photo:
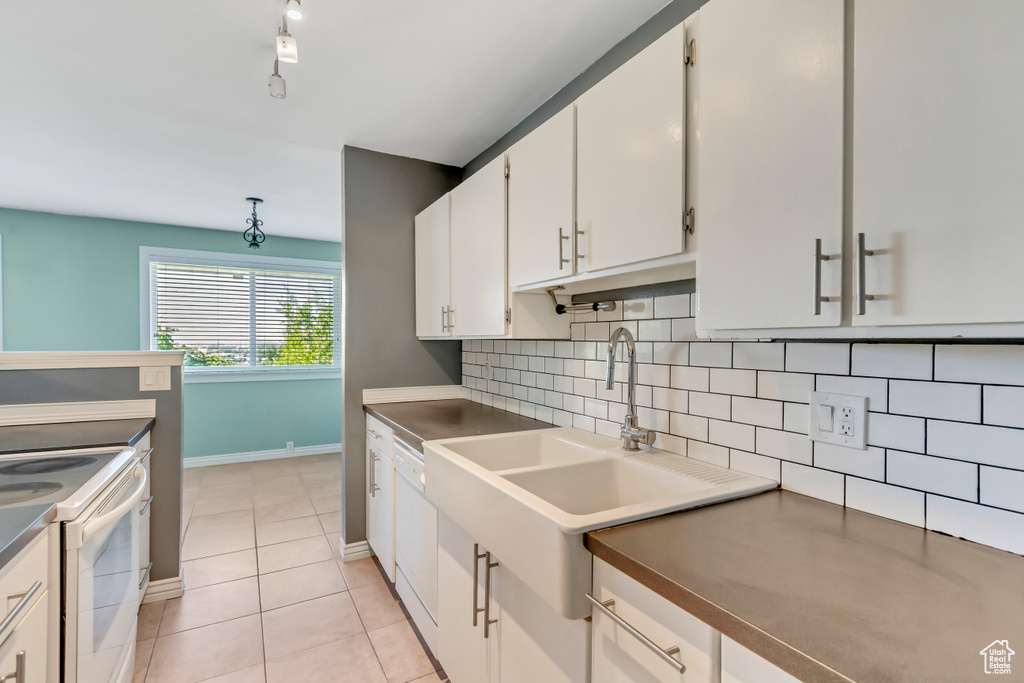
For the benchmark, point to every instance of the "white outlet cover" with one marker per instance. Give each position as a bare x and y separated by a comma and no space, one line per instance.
155,379
856,423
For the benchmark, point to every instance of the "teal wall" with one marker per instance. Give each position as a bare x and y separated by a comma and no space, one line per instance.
72,284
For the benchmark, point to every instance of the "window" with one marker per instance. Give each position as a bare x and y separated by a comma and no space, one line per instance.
241,317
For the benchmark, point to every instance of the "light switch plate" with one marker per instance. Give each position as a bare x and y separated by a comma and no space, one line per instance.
848,423
155,379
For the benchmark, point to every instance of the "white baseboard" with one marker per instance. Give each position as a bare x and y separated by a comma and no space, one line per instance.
253,456
403,394
356,551
164,589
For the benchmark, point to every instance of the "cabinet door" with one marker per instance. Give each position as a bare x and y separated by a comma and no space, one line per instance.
740,665
619,657
630,139
478,253
937,148
28,636
540,202
385,548
373,497
432,269
461,647
535,642
770,162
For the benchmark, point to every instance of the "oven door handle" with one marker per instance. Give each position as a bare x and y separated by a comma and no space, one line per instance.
98,524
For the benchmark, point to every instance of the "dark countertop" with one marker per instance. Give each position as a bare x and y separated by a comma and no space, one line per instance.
417,421
69,435
827,593
20,524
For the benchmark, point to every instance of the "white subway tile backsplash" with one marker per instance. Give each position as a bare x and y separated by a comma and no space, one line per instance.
831,359
813,482
893,502
983,363
940,400
783,445
736,382
757,411
868,464
677,306
688,426
711,354
684,329
896,431
785,386
875,390
903,361
655,330
935,475
1002,488
731,434
744,405
759,465
1004,406
716,455
694,379
997,528
759,356
717,406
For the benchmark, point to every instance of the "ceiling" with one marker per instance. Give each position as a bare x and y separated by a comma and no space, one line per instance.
159,112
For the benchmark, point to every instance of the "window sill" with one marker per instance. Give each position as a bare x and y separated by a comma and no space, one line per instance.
246,375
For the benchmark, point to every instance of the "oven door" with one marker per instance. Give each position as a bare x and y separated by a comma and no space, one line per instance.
101,581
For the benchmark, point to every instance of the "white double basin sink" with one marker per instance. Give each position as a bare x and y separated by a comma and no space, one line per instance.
528,498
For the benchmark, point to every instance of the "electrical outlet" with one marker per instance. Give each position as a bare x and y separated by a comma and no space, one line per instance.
839,419
290,446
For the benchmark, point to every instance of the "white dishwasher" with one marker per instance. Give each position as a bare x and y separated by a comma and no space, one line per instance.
415,542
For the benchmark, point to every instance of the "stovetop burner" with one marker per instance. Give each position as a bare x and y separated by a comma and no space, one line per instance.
30,490
47,465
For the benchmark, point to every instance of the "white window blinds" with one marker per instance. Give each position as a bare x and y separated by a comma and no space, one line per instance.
243,317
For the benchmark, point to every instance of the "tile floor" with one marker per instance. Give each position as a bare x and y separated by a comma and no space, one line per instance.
268,599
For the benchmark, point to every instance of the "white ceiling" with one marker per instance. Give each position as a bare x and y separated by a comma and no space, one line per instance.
159,112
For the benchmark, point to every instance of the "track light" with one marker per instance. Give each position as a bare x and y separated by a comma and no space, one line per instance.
293,9
276,84
287,48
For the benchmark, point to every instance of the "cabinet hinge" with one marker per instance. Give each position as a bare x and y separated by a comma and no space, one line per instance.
508,315
690,53
689,221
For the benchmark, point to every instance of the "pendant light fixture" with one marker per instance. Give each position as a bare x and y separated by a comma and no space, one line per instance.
276,84
253,235
293,9
287,48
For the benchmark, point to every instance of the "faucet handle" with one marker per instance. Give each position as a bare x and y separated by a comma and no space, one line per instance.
640,435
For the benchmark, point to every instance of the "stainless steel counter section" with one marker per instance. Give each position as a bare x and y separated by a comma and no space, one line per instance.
19,524
417,421
827,593
68,435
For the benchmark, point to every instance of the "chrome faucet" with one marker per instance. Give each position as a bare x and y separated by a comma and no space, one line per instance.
632,435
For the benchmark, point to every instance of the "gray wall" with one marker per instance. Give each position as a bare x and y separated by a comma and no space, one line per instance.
121,384
381,196
657,26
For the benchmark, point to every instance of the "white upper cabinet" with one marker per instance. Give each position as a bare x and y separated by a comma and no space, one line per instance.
478,253
770,163
937,170
540,202
630,132
433,269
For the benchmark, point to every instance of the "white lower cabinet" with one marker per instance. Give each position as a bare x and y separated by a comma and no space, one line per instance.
24,592
525,641
620,657
380,494
740,665
23,653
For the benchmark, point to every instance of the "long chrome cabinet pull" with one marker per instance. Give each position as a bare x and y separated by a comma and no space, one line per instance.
487,597
145,506
576,255
145,577
451,318
26,598
146,456
664,654
818,258
477,556
370,432
18,676
561,256
859,296
444,318
373,471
